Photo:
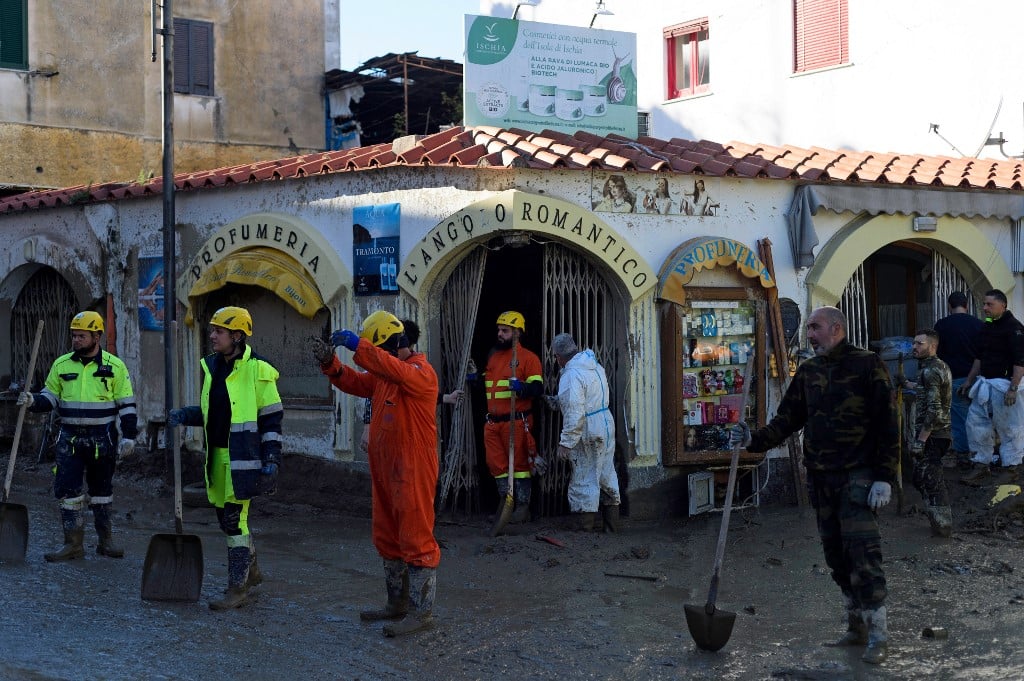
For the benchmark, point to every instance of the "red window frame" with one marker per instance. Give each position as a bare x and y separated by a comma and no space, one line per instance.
821,34
698,35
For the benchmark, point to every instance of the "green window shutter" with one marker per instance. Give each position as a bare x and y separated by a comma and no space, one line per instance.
14,34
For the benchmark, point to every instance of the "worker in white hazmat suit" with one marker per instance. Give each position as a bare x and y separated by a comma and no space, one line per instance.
588,434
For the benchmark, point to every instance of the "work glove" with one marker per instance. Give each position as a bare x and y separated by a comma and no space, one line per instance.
517,385
540,465
268,479
564,453
739,435
346,338
26,399
470,371
1010,398
364,440
124,448
879,495
323,352
175,417
916,447
552,402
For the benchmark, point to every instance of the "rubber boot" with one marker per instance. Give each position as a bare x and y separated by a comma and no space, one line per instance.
501,484
977,476
105,532
856,631
255,577
422,587
587,519
237,594
610,516
522,496
941,520
74,535
878,636
396,576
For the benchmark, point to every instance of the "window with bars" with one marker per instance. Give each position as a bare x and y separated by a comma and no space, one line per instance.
820,34
14,34
643,123
687,58
193,57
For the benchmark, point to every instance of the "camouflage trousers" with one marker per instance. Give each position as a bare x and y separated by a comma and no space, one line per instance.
849,534
928,478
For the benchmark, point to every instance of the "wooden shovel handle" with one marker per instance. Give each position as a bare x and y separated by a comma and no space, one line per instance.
21,412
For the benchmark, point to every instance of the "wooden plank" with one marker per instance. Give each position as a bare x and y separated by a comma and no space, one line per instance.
764,249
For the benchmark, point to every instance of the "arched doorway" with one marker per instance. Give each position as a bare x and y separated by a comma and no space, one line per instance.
557,289
47,296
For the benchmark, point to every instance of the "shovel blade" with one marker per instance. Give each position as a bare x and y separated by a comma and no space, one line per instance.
13,533
506,512
710,631
173,570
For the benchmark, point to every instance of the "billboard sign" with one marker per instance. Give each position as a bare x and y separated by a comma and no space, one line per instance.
535,76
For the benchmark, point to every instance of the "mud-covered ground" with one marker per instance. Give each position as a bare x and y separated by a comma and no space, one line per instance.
515,606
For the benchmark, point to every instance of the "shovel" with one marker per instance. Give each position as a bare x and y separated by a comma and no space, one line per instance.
173,570
710,627
510,501
14,517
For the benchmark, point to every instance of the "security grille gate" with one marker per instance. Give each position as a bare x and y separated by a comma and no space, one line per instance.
577,300
946,278
47,296
458,478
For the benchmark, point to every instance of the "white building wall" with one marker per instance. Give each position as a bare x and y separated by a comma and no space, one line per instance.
913,63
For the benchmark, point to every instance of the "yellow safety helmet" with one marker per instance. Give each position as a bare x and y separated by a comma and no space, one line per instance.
87,321
234,319
513,319
380,326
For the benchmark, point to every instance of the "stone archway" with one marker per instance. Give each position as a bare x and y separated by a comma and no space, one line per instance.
957,239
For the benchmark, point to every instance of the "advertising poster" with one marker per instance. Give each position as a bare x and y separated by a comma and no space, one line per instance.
635,193
535,76
375,255
151,294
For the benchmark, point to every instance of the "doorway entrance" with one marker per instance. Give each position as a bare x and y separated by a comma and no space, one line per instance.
557,289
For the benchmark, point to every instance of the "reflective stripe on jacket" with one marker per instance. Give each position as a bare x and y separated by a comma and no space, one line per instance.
256,414
94,394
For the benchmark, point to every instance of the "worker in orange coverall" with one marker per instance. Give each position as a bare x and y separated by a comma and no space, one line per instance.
403,461
500,381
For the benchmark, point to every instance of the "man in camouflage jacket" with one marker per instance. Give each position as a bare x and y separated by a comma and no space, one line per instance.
932,435
843,400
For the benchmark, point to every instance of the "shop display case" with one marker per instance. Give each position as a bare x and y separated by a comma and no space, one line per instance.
707,343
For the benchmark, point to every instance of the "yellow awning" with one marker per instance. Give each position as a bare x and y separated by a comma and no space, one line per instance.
266,267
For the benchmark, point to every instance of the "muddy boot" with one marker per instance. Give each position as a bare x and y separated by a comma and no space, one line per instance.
237,594
255,577
422,587
74,534
610,516
105,532
963,460
396,575
587,521
941,520
522,496
978,475
878,636
856,631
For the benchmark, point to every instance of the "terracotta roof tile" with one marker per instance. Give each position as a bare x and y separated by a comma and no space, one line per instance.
484,146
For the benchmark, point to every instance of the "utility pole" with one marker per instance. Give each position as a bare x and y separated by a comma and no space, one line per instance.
170,274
